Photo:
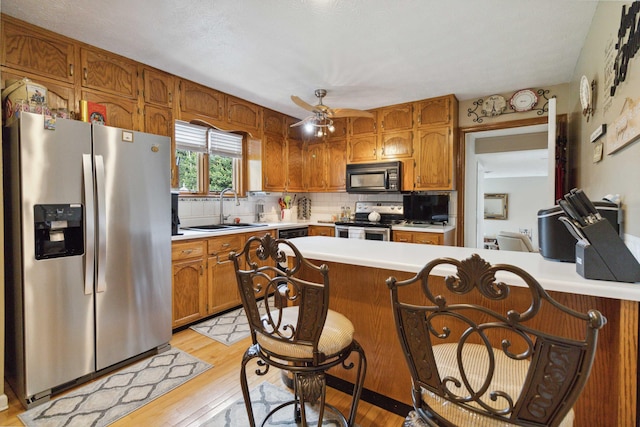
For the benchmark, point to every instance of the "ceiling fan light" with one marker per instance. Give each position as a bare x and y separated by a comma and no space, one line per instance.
331,128
308,127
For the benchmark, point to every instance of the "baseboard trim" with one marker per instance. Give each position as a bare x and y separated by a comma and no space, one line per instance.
372,397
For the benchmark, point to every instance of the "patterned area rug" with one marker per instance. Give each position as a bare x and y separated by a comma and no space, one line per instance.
104,401
227,328
264,398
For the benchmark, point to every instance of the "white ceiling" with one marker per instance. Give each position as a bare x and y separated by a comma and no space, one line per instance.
366,53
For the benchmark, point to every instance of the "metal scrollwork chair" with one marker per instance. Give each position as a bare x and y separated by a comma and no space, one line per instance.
295,331
482,352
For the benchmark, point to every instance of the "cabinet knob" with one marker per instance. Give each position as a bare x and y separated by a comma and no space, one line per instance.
71,70
85,73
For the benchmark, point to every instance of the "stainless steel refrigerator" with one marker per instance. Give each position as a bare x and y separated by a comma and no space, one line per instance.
88,251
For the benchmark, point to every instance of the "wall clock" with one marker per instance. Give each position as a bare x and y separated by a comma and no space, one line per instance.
494,105
523,100
585,96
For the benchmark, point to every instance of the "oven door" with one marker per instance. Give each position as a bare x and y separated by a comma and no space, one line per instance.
382,234
342,231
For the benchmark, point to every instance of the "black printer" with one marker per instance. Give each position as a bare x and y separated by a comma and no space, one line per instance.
555,241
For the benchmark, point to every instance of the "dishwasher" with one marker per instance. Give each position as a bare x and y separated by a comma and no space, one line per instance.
290,233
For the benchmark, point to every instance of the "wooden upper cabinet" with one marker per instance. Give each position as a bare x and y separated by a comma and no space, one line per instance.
315,166
434,159
243,115
337,165
121,112
362,125
158,121
200,101
362,149
273,162
295,165
340,128
396,145
37,51
109,73
158,87
434,112
273,122
395,118
59,95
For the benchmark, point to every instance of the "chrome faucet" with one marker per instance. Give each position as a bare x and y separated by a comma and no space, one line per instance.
228,189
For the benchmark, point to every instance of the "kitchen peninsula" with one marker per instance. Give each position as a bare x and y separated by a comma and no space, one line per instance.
357,273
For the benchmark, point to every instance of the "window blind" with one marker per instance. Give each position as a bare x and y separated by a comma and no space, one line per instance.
225,144
190,137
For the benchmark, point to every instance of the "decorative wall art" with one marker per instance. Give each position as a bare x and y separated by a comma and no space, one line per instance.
628,43
626,128
521,101
495,206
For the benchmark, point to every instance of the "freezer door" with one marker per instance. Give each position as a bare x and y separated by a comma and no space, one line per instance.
58,335
133,290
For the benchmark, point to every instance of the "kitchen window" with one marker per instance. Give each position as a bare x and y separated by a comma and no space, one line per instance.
208,159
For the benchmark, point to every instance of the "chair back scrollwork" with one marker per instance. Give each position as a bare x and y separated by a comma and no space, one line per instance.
500,349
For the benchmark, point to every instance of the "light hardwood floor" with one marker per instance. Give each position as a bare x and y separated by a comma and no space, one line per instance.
209,393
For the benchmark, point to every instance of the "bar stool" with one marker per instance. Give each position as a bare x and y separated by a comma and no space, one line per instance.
295,331
483,352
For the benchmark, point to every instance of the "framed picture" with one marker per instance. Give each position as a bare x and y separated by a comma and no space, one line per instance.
495,206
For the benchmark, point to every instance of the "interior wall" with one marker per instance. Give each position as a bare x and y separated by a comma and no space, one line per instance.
523,203
617,173
3,397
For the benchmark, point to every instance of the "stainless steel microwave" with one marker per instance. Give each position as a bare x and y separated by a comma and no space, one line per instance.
374,177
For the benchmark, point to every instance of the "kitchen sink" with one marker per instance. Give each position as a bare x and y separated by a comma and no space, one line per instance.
245,224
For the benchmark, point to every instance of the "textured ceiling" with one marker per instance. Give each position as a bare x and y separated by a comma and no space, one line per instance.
366,53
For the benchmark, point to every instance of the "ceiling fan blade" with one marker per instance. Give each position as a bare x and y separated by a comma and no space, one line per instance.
302,122
349,112
300,103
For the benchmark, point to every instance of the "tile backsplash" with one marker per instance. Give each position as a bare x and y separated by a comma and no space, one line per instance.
206,210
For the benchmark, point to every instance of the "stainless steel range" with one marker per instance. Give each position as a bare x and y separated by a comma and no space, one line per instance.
372,221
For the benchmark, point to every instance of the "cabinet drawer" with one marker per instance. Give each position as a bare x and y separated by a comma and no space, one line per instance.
225,244
428,238
184,250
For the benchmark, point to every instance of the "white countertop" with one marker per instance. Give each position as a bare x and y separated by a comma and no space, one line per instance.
196,234
409,257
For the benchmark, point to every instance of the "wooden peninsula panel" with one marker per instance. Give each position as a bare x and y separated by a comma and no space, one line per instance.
360,293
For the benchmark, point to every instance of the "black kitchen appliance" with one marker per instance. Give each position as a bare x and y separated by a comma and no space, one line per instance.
175,219
556,242
426,208
374,177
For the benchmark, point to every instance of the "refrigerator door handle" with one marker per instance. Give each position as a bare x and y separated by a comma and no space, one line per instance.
102,225
89,267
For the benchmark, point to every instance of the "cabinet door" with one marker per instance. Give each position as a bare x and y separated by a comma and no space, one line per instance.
109,73
434,112
362,149
273,122
315,167
59,95
434,160
295,162
121,112
223,289
396,118
362,125
273,162
336,165
188,291
200,101
36,51
158,120
340,128
396,145
243,115
158,87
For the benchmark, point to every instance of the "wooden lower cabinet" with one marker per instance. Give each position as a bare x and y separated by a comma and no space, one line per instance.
222,290
204,281
188,282
322,230
424,238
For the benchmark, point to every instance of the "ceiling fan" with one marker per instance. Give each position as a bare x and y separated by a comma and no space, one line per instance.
321,120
